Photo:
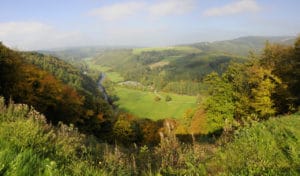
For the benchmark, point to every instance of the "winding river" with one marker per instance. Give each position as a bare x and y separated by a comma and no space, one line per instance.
101,88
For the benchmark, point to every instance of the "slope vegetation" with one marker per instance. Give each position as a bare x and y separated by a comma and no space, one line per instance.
53,87
30,146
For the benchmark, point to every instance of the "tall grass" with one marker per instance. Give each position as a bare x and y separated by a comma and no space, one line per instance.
30,146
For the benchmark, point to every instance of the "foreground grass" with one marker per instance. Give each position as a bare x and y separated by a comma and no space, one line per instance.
143,104
30,146
268,148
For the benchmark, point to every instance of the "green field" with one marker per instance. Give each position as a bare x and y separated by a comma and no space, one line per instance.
142,104
113,76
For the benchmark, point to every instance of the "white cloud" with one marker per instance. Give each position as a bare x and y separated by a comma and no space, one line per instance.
172,7
233,8
123,10
36,35
118,11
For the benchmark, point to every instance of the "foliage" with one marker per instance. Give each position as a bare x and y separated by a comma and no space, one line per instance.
30,146
260,88
27,83
268,148
284,63
127,131
219,105
157,98
168,98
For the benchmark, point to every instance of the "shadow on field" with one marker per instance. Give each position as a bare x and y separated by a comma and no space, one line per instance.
202,138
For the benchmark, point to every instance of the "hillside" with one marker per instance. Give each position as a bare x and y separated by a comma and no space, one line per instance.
242,46
158,67
238,46
268,148
30,146
53,87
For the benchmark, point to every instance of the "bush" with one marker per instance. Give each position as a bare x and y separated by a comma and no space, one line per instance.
30,146
157,98
168,98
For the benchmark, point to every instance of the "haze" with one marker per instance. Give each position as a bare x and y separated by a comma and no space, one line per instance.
41,24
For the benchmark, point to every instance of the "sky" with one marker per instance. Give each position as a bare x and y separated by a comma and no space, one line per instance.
46,24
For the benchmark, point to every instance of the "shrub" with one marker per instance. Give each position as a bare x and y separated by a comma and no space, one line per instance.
157,98
168,98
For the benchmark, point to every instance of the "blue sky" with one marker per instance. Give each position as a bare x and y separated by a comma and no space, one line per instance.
41,24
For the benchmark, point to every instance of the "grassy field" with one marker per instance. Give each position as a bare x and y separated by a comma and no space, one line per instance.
142,104
113,76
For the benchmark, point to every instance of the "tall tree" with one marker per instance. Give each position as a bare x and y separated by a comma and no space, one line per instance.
219,105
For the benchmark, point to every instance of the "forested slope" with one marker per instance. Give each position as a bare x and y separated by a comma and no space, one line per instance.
242,45
54,88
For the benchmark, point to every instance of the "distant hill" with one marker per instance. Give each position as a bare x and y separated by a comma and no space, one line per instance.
242,45
78,53
239,46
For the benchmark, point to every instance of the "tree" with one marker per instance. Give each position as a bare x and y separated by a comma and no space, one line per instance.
127,131
219,105
263,84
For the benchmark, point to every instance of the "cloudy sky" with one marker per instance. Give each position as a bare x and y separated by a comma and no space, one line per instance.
42,24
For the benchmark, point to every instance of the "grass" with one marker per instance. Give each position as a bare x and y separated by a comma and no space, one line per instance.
186,49
267,148
142,104
30,146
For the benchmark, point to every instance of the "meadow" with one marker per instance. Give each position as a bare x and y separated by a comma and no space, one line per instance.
143,103
113,76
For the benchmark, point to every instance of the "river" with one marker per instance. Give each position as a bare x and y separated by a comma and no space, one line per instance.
101,88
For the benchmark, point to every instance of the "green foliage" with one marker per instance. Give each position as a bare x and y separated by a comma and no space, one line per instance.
184,87
157,98
284,63
29,146
219,105
260,88
263,85
168,98
126,131
268,148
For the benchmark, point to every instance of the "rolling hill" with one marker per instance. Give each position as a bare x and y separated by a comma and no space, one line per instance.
242,45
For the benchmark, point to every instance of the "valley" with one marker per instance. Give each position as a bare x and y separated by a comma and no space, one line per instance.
149,88
145,111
